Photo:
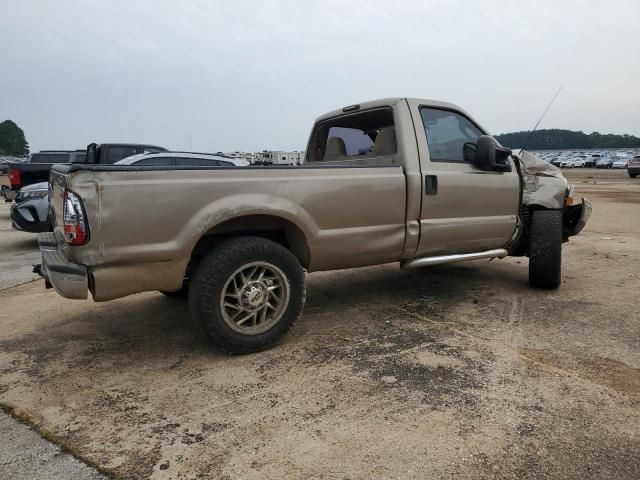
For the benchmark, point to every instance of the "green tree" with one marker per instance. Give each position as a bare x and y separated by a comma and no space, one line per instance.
558,139
12,140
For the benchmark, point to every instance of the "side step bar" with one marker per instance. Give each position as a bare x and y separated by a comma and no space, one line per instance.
428,261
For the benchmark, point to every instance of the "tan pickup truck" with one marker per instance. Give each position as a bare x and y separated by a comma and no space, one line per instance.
413,181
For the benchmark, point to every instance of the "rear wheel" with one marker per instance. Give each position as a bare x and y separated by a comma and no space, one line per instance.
545,249
247,293
633,175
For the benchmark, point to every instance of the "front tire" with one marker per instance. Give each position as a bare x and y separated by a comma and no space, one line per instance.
247,293
633,175
545,249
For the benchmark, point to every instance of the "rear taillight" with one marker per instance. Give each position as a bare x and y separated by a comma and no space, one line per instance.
76,229
14,177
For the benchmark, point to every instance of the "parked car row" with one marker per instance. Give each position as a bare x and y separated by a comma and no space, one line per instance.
30,212
589,159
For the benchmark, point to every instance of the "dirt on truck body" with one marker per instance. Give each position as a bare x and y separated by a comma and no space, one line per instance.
414,181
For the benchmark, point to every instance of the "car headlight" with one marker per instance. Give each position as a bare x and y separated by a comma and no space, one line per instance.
30,195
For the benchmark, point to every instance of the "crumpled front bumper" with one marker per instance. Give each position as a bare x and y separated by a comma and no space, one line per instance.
575,218
67,278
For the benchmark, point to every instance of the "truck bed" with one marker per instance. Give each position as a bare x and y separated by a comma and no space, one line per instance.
144,222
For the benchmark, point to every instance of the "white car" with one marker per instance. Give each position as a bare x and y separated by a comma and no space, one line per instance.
620,163
182,159
566,163
578,163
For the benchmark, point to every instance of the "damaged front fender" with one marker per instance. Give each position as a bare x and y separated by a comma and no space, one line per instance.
544,184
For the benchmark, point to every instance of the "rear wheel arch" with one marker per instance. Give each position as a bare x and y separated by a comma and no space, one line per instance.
273,227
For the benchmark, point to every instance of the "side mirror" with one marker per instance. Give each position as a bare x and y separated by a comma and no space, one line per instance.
487,155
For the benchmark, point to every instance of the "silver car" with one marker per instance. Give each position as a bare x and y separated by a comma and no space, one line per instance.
182,159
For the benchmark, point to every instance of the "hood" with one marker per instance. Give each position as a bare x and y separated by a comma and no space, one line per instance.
544,184
536,166
36,186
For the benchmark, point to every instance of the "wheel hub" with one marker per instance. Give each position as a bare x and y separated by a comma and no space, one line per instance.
254,295
254,298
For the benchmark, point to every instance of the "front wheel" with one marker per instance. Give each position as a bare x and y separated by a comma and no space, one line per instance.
633,175
247,293
545,249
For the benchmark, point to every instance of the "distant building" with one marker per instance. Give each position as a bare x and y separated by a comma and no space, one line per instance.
279,157
242,155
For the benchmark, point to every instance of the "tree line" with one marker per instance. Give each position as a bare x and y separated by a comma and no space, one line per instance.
12,140
14,143
556,139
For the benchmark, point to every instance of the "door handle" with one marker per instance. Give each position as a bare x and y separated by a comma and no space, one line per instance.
430,185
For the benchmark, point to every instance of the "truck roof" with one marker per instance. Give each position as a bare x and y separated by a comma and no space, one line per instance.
391,102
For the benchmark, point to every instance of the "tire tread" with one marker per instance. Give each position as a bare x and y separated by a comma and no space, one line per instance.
545,249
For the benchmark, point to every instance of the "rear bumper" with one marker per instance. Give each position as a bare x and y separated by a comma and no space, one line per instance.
67,278
576,217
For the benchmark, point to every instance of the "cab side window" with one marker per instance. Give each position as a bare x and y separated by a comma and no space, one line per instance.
447,132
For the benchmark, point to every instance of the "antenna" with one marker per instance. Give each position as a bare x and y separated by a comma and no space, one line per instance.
543,114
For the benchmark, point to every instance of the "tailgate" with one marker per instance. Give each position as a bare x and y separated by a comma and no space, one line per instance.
57,187
32,173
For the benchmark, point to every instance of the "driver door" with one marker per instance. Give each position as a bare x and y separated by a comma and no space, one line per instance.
464,209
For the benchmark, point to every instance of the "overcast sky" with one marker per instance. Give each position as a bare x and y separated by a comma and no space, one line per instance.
253,75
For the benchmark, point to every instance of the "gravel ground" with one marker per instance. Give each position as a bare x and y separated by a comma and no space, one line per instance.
456,371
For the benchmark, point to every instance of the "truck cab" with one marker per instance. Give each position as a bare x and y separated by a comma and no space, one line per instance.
448,206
